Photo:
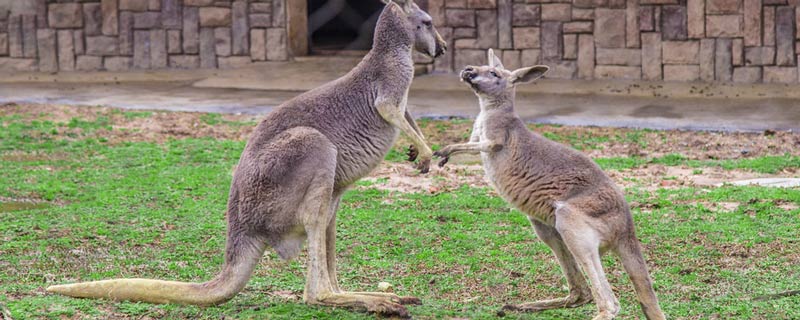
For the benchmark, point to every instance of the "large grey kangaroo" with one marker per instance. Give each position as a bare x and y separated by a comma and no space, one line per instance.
295,167
574,207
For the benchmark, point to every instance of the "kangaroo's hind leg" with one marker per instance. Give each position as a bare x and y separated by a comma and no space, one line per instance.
316,214
330,241
631,256
330,246
319,289
579,292
583,239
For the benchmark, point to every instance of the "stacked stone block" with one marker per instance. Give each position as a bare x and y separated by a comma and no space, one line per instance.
119,35
745,41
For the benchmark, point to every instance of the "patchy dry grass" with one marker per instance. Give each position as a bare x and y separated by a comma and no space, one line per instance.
142,194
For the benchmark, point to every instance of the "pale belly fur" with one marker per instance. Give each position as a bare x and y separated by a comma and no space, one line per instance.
542,212
479,131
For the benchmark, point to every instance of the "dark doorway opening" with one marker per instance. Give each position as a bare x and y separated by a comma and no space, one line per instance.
342,27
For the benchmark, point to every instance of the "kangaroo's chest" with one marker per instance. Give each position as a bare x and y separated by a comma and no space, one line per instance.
365,138
479,134
362,148
511,174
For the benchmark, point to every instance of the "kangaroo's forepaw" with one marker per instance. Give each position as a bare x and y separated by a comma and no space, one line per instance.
444,154
443,161
412,153
424,165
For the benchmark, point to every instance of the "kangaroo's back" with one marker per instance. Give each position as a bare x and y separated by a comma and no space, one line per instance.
340,110
533,172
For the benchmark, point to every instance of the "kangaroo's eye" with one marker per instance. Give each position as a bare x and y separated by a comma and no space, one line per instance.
494,74
427,23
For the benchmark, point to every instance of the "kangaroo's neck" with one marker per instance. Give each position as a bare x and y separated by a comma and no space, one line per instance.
488,103
393,41
397,57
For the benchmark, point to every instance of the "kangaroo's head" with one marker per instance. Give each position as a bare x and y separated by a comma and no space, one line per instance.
426,39
494,82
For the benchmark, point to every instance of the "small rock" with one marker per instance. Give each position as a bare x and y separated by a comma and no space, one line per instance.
666,183
385,287
289,295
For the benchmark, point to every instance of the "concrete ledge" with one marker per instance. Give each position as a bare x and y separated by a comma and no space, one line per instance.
306,73
259,88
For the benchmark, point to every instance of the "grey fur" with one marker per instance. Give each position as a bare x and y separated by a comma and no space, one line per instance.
574,207
295,167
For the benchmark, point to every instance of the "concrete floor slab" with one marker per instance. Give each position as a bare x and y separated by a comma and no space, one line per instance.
258,89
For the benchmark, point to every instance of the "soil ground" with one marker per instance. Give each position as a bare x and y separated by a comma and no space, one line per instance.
712,267
597,142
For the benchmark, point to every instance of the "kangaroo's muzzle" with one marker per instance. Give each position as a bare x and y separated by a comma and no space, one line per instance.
468,74
440,50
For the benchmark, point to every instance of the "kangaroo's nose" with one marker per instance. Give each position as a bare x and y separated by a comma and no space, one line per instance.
440,50
468,74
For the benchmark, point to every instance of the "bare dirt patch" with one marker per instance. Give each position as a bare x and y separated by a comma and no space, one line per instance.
140,125
654,176
594,141
622,142
402,177
20,156
159,126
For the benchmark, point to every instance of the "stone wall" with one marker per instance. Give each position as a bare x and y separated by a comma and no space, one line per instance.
115,35
745,41
675,40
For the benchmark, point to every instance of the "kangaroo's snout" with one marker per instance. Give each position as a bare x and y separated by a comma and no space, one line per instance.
468,74
441,48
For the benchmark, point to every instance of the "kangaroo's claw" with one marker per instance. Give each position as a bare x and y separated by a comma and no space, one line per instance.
412,153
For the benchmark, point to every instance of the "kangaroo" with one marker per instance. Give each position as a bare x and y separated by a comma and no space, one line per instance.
574,207
295,167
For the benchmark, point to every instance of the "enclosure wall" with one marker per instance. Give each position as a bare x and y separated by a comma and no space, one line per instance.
747,41
48,36
676,40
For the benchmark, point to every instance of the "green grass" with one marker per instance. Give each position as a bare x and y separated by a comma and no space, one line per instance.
132,114
156,210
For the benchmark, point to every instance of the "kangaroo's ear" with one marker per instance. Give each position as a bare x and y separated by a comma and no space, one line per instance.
494,61
399,3
525,75
406,5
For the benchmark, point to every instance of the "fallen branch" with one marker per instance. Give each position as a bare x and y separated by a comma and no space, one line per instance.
777,295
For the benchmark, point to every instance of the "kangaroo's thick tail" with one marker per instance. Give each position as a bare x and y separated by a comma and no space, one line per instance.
632,260
241,256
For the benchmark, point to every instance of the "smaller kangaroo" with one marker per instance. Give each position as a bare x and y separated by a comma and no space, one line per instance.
575,208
